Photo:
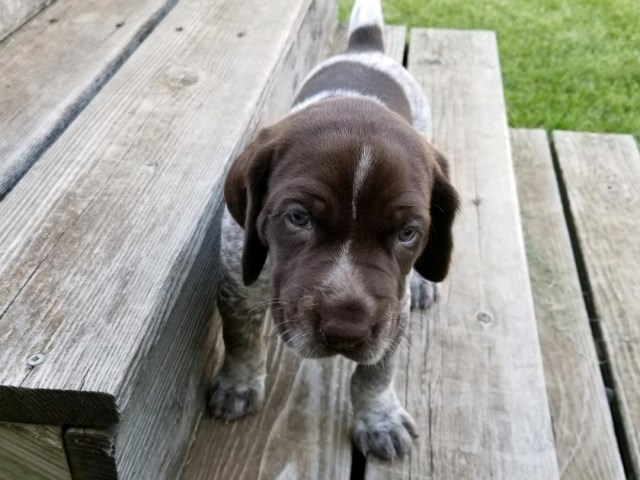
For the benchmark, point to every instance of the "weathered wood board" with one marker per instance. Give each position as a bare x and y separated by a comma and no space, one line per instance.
584,436
33,452
601,174
13,13
108,245
473,376
55,64
98,236
302,430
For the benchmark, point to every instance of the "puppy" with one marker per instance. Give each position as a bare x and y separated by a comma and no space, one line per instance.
328,211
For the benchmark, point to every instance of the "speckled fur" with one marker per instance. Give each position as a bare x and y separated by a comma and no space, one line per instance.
381,424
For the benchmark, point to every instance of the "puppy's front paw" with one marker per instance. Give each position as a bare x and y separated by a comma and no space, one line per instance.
423,292
230,399
385,429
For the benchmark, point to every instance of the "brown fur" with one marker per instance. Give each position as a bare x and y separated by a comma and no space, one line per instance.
309,159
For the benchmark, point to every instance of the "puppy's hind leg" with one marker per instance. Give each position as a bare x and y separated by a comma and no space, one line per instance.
238,389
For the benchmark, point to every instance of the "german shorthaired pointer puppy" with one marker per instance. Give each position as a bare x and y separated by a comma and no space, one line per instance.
328,212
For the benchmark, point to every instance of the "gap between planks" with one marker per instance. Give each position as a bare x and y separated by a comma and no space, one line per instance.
598,177
584,436
48,84
14,13
473,376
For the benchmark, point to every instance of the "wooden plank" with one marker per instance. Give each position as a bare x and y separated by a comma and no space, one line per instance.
602,178
473,376
306,406
97,238
584,436
301,431
108,244
33,452
14,13
45,83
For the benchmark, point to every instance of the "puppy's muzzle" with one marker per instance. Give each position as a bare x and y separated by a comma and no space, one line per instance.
345,324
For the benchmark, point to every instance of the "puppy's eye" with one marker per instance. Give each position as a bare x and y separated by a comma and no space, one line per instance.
407,235
299,218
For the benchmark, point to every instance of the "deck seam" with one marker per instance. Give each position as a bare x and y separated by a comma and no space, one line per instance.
38,149
594,318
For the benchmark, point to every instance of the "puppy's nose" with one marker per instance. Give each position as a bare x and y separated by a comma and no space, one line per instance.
344,323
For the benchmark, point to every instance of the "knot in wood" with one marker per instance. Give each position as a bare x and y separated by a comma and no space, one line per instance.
177,79
484,318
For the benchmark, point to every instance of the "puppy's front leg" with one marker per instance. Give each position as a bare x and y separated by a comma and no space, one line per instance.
238,390
381,424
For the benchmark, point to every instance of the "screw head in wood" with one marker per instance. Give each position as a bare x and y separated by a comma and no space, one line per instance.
35,359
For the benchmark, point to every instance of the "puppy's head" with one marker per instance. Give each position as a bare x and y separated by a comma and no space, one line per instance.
346,198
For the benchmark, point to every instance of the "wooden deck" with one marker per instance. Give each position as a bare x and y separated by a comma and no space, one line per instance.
115,139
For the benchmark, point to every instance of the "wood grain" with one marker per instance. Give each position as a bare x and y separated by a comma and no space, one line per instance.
584,436
602,178
473,377
395,41
33,452
162,392
47,83
97,238
14,13
109,242
302,430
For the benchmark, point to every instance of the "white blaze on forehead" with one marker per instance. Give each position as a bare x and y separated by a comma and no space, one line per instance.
362,171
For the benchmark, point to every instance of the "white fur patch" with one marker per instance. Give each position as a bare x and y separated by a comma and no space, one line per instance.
362,170
339,92
344,280
342,275
420,111
366,13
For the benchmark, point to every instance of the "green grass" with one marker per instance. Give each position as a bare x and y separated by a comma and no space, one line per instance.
566,64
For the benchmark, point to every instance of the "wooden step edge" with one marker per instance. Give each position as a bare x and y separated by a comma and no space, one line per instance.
176,413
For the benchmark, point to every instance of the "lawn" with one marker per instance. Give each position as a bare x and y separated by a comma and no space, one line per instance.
567,64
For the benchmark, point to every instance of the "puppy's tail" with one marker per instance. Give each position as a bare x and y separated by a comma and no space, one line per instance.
365,26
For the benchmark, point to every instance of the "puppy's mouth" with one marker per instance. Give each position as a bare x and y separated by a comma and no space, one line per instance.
310,340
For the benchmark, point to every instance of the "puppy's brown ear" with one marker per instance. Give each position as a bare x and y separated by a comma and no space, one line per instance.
433,263
244,192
